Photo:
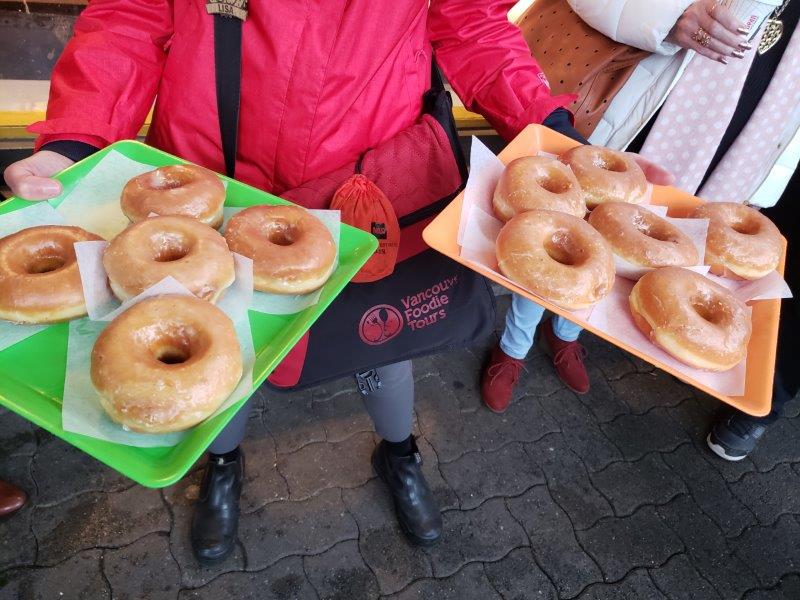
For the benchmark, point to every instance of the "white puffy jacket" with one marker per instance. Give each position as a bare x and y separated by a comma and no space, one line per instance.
645,24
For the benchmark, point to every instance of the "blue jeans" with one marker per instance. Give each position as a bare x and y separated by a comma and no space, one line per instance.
521,322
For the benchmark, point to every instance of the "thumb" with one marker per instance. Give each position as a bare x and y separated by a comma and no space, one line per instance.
654,173
32,187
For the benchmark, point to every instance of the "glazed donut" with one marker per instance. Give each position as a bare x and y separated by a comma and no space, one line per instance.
697,321
607,175
557,256
150,250
642,237
537,182
39,277
166,364
186,190
292,250
740,239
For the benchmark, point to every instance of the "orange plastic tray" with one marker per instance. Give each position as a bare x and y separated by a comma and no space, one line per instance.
442,235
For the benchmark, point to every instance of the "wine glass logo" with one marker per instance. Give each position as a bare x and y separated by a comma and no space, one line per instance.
380,324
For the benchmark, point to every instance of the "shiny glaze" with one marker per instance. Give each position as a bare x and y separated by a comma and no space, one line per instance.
606,175
696,320
186,190
557,256
537,182
39,277
150,250
740,239
292,251
134,367
641,237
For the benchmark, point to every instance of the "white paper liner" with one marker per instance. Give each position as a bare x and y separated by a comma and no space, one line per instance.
279,304
102,305
40,213
478,232
751,12
81,411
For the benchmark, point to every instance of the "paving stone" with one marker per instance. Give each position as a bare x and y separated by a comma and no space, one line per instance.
340,574
285,580
383,546
636,435
710,490
788,589
144,569
477,476
263,482
629,485
97,519
707,548
694,419
778,445
460,370
539,379
581,430
636,390
601,399
770,494
77,578
342,415
568,481
613,362
553,542
518,577
291,420
639,540
295,527
771,551
485,534
17,435
636,586
62,471
679,580
319,466
17,542
469,582
180,499
442,491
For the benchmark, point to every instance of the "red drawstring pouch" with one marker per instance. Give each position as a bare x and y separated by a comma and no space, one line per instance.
364,205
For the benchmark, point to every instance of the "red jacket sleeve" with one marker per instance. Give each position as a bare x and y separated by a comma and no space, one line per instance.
106,79
485,58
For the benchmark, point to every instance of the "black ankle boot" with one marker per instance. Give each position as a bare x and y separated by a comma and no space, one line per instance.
216,512
414,503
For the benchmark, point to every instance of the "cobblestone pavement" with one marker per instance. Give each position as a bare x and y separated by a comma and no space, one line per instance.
609,495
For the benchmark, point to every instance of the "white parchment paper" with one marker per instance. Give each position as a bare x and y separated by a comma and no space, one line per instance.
279,304
39,213
82,412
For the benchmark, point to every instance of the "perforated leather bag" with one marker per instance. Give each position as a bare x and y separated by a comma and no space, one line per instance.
578,59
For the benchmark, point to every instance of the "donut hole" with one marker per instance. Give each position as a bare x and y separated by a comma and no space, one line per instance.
610,162
652,230
555,183
164,180
44,264
745,226
169,247
709,310
172,355
282,233
562,248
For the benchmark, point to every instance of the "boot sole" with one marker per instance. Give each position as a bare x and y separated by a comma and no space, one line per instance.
417,541
720,451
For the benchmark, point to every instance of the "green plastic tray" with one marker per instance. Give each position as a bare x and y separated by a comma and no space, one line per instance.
32,371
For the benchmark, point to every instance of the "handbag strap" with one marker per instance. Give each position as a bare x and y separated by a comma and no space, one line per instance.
228,74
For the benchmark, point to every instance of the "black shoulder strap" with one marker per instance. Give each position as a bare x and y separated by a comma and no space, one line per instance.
228,71
436,77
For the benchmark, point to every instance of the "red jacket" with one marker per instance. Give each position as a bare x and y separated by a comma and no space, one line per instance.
322,80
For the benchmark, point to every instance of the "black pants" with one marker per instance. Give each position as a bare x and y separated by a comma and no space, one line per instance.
786,215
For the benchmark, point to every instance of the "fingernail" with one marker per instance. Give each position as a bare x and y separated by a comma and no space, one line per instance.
743,30
737,54
746,46
723,60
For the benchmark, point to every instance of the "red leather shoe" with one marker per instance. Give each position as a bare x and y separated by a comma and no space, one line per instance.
500,377
11,498
567,359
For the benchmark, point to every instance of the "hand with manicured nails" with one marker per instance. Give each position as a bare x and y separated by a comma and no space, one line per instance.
726,35
31,178
654,173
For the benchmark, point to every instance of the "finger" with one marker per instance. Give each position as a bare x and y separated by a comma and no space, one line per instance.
654,173
725,17
691,44
37,188
719,32
715,46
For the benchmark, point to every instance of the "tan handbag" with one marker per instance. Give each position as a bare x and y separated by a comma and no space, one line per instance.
578,59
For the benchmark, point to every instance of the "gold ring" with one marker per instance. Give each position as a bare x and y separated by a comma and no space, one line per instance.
702,37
